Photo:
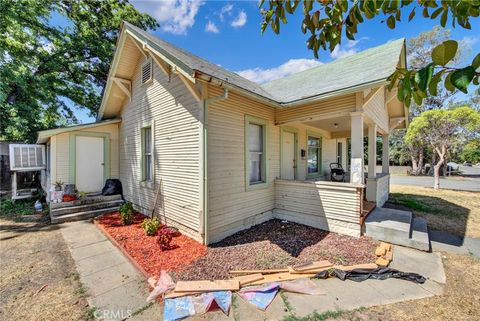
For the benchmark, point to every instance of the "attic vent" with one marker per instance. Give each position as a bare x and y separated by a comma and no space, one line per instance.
26,157
147,71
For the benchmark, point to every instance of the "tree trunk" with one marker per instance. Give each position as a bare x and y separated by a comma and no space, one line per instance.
414,166
438,165
417,163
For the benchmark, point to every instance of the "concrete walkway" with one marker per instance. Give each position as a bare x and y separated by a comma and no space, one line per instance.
116,287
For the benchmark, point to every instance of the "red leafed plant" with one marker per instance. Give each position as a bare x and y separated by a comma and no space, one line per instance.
164,238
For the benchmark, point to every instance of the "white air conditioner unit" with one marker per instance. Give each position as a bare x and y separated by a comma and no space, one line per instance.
27,157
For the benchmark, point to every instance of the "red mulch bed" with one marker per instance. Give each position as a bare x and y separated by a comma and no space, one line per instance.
273,244
277,244
145,250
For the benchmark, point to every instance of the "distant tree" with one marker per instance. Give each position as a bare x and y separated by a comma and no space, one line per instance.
327,21
471,152
441,129
45,68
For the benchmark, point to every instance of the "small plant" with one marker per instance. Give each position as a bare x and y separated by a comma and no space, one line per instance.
82,194
126,213
150,226
58,185
164,239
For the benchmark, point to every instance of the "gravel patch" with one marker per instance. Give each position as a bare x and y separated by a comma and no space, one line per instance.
277,244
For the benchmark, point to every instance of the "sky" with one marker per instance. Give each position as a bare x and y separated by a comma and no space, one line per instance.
228,33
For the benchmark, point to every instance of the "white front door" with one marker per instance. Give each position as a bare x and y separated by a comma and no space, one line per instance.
89,163
288,156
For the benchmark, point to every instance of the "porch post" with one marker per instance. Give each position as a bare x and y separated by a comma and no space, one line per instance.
385,154
372,151
356,133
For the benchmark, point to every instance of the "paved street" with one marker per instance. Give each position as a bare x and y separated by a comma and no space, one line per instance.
471,182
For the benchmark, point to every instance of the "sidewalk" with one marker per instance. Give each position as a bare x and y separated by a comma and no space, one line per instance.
116,289
115,286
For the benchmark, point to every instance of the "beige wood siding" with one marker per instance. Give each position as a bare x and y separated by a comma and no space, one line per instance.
230,207
60,152
325,205
173,111
326,108
377,111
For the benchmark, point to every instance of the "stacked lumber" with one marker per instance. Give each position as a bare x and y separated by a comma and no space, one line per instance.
384,252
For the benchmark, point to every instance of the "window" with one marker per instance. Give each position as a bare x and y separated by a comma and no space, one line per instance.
147,154
255,152
339,153
147,71
314,154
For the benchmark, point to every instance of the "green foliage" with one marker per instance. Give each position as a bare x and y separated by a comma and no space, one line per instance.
471,152
126,213
327,20
150,226
17,208
46,69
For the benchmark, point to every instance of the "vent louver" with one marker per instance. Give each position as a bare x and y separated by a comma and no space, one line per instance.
147,71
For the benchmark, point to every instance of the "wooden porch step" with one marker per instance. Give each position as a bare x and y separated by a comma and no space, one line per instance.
84,207
81,215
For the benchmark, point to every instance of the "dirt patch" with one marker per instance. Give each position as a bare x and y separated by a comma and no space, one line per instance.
38,279
276,244
459,302
145,250
454,212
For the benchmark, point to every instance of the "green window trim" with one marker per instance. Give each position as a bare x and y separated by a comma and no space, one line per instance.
295,132
143,181
319,155
73,154
265,167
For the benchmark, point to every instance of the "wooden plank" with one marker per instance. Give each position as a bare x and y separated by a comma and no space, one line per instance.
207,286
271,271
292,271
382,262
312,266
389,255
249,278
380,251
356,266
386,246
174,294
278,277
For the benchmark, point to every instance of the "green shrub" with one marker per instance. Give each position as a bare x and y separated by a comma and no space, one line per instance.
126,213
150,226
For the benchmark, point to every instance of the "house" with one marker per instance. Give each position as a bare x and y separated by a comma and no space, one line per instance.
226,153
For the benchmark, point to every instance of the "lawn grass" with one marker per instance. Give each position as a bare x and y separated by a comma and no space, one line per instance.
455,212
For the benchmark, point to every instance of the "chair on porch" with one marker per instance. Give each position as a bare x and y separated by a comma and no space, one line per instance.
337,173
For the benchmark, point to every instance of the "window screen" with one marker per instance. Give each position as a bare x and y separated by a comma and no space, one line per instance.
313,155
256,152
147,154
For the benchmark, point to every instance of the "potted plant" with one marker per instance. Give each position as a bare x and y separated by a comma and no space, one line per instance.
58,186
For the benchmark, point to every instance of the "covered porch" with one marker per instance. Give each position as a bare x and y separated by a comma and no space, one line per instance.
335,137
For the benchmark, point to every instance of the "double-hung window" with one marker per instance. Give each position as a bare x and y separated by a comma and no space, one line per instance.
147,154
255,152
314,155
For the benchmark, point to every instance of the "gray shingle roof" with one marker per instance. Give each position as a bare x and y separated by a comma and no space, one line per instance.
365,67
368,66
190,63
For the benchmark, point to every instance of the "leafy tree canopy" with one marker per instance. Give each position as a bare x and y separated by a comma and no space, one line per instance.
45,68
328,20
443,128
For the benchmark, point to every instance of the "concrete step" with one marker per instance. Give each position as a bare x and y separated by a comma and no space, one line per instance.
81,215
419,238
84,208
86,200
397,227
